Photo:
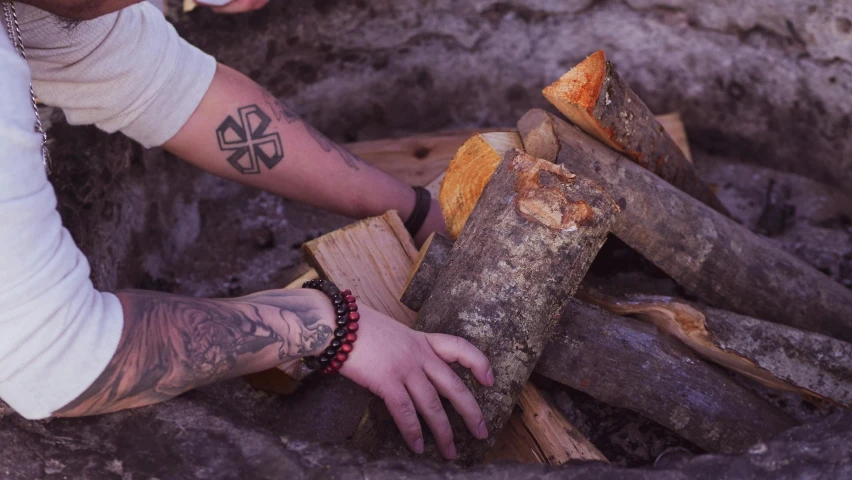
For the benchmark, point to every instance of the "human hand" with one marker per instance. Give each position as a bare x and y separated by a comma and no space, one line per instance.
234,6
408,370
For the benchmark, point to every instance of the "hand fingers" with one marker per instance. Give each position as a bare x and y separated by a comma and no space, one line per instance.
454,349
451,387
428,403
404,415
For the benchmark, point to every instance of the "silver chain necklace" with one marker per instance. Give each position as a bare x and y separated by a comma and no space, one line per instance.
14,32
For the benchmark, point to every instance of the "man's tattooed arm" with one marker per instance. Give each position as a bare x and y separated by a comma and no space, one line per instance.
283,112
171,344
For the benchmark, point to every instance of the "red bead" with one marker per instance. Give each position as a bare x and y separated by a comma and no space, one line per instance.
352,326
347,347
354,316
353,307
341,357
351,337
326,371
346,293
349,298
335,364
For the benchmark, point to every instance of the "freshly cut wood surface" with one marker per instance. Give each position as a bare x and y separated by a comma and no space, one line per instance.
719,260
501,292
595,98
371,257
633,365
558,438
417,159
516,443
630,364
469,172
673,125
775,355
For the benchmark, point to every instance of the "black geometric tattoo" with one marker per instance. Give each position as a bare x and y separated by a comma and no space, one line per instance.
249,141
283,112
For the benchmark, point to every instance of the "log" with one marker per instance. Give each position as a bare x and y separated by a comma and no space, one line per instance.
673,125
524,250
429,262
416,159
464,182
595,98
626,363
719,260
777,356
372,257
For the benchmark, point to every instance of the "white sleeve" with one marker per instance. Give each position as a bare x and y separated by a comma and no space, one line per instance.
57,333
127,71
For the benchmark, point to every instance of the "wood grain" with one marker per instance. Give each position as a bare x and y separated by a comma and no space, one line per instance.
372,257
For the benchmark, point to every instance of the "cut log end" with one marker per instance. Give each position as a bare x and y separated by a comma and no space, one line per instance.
469,172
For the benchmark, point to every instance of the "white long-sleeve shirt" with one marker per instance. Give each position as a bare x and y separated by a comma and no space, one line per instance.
127,71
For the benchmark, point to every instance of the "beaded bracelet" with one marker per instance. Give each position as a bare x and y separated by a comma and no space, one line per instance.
341,346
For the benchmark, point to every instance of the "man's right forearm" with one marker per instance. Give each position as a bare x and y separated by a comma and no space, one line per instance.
171,344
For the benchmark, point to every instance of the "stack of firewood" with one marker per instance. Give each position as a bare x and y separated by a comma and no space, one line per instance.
527,211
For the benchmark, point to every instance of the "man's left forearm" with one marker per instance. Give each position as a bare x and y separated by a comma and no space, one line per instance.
241,132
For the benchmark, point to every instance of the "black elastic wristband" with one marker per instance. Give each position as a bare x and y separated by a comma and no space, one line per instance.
422,204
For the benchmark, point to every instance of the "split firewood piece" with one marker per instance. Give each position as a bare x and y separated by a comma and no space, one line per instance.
416,159
500,291
431,259
719,260
628,363
673,125
516,443
374,265
469,172
777,356
596,99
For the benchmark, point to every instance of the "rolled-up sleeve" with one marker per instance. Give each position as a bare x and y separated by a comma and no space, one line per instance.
57,333
129,71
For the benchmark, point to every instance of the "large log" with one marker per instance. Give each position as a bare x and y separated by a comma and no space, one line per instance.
524,250
596,99
778,356
624,363
628,363
711,255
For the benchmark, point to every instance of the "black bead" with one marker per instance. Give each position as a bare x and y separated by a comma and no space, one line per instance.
342,309
337,300
323,360
330,352
336,343
333,290
340,333
312,362
342,321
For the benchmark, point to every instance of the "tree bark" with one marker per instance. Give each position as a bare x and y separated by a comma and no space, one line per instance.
708,253
431,259
524,250
629,364
595,98
778,356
